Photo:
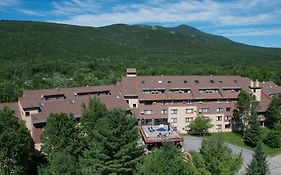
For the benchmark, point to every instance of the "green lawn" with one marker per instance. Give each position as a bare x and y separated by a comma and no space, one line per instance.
236,139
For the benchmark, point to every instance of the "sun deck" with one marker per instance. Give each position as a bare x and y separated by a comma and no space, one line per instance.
160,133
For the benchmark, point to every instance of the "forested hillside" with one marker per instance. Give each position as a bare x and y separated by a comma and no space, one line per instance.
45,55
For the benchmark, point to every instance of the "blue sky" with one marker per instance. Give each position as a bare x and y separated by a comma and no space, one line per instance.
254,22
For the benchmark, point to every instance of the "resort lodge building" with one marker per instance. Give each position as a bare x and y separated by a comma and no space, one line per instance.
154,100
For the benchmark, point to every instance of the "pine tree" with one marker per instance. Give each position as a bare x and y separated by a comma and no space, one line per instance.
60,134
61,163
168,160
15,145
273,113
114,147
258,165
219,158
91,114
252,132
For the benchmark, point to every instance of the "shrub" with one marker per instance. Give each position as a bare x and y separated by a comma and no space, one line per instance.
273,139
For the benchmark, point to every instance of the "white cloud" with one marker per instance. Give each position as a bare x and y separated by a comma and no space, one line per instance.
7,3
249,32
224,13
30,12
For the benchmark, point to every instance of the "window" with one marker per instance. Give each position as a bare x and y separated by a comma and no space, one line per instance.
219,126
187,128
205,110
219,118
174,111
228,109
188,119
219,109
164,111
189,110
227,118
134,105
188,102
147,111
227,126
27,113
173,120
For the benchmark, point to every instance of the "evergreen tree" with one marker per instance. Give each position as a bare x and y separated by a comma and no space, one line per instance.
114,147
246,104
15,145
273,113
258,165
91,113
219,158
252,132
61,163
167,160
200,125
60,134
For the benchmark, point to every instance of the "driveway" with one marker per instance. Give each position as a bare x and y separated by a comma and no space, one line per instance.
193,144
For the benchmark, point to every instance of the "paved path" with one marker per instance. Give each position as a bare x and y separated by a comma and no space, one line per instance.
193,143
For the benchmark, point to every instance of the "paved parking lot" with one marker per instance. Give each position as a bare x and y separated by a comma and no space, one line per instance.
193,143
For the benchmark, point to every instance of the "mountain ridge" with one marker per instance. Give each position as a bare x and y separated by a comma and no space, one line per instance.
37,55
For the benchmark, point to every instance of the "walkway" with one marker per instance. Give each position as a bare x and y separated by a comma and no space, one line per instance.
193,143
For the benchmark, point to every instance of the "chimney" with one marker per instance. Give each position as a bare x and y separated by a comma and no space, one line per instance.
256,89
257,83
131,72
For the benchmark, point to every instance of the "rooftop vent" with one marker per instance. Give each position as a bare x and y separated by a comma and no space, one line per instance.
131,72
196,81
185,81
159,82
72,102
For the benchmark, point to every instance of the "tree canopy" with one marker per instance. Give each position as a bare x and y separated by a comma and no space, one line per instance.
15,145
200,125
258,165
60,134
252,134
273,113
91,113
114,147
167,160
219,158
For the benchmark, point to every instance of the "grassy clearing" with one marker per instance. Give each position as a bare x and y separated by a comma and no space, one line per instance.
236,139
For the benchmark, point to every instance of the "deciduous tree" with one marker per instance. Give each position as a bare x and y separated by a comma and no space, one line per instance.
15,145
200,125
